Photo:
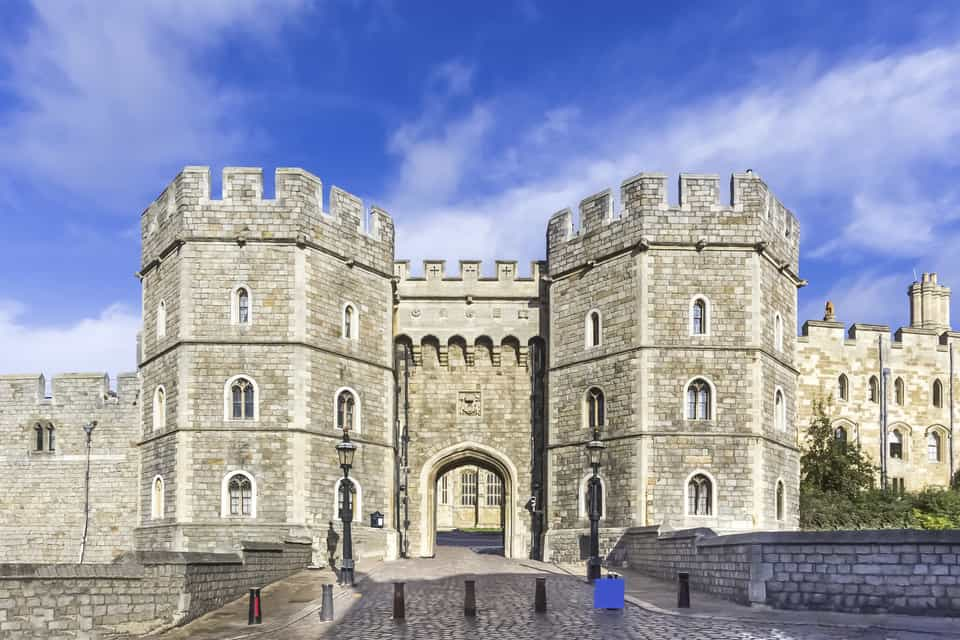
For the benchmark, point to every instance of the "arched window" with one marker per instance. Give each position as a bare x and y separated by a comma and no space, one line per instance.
593,329
157,499
699,400
239,495
898,391
356,499
350,325
874,389
778,332
699,317
780,410
937,394
468,488
933,447
242,400
583,508
494,490
596,409
161,319
347,410
243,306
840,435
699,496
51,437
38,445
843,387
159,408
779,500
896,444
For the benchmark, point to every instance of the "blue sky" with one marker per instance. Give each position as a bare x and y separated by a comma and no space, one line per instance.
471,128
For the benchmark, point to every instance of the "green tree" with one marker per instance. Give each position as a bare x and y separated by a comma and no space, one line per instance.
830,465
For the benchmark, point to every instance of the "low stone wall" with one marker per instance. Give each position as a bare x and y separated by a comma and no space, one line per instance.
144,591
566,546
884,571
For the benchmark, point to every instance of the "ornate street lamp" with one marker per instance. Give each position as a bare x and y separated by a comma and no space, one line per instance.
595,494
346,451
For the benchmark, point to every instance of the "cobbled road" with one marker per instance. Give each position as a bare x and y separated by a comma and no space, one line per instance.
505,592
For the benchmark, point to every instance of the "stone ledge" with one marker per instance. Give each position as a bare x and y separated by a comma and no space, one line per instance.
867,536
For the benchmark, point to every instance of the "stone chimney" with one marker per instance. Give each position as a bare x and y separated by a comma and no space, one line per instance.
929,304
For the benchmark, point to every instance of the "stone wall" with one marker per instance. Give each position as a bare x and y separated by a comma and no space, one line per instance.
145,591
886,571
42,492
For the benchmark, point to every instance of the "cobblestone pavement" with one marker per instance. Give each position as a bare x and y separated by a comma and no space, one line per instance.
505,590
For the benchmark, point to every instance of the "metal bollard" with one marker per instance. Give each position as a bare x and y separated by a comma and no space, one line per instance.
399,608
326,606
683,592
470,599
540,602
255,610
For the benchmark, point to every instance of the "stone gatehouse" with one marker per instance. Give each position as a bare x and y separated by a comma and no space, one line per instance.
271,325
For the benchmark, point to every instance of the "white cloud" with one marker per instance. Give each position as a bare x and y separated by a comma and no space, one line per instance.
105,343
113,93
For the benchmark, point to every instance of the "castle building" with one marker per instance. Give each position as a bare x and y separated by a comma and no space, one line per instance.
272,326
861,373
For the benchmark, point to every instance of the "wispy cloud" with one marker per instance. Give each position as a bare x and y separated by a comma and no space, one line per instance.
103,343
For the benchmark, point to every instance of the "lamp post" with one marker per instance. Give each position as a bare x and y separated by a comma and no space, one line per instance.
88,429
595,492
346,451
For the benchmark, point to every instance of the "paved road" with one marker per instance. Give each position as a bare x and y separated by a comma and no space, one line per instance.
505,590
479,542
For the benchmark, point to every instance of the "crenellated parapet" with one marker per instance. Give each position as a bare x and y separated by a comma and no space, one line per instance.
298,214
468,281
67,389
753,218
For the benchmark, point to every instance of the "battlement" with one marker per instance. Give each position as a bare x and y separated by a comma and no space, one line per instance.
754,215
862,335
187,210
436,283
88,389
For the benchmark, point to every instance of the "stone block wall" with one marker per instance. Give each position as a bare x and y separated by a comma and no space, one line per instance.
145,591
886,571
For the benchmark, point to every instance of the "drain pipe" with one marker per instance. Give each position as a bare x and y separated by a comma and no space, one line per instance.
883,417
88,429
950,439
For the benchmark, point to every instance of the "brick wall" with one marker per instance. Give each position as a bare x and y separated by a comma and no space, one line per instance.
145,591
887,571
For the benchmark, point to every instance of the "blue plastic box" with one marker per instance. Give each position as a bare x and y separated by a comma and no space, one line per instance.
608,592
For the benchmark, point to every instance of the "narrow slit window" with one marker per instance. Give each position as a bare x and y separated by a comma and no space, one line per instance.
243,306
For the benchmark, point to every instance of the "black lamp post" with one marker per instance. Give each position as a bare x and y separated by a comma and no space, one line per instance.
346,451
595,492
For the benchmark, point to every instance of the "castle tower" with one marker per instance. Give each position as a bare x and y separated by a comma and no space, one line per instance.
266,330
671,330
929,304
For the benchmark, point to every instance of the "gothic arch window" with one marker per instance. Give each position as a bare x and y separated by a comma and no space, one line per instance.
701,497
780,410
896,444
843,388
934,443
899,391
157,499
51,437
241,399
238,495
241,305
874,389
468,488
593,329
938,394
161,319
583,504
356,499
159,408
699,400
596,409
700,316
351,322
38,433
347,410
778,332
840,435
780,500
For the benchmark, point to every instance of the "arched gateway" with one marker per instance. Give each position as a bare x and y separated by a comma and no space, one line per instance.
516,539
